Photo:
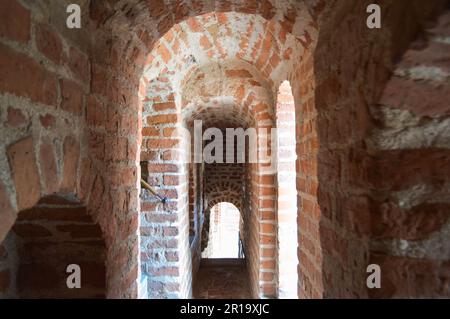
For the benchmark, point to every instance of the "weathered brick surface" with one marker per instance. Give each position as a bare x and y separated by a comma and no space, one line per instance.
49,43
335,171
50,242
41,85
78,105
72,97
416,278
16,21
26,177
15,117
71,157
409,159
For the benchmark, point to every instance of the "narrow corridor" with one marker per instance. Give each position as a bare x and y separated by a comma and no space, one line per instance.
222,279
166,133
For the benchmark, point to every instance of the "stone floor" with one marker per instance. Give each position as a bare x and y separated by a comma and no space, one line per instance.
222,279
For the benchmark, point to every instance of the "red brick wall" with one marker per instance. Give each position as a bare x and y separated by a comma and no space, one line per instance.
410,210
224,183
334,160
77,120
46,239
63,124
164,228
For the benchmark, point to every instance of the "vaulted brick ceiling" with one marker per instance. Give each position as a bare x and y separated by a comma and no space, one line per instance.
224,67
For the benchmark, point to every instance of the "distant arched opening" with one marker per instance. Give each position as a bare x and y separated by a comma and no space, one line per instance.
223,236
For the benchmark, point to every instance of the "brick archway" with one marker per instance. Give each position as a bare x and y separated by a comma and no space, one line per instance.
41,176
44,241
80,102
224,188
55,164
235,91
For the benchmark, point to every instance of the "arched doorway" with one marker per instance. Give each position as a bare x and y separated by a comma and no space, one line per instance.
223,272
223,236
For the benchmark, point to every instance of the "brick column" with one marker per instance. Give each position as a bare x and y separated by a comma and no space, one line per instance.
166,258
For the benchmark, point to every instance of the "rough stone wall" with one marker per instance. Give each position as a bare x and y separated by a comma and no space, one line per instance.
350,66
410,209
62,123
41,116
162,230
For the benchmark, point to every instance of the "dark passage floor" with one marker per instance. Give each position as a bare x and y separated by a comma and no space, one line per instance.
222,279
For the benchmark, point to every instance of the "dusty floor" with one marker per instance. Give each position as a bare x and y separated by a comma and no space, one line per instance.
222,279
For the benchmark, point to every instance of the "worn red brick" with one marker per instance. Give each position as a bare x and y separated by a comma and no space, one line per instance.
79,63
72,97
194,25
15,21
413,277
98,80
164,106
22,162
15,117
48,121
205,43
150,131
95,112
49,43
40,85
71,150
164,53
390,221
162,143
164,271
48,168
